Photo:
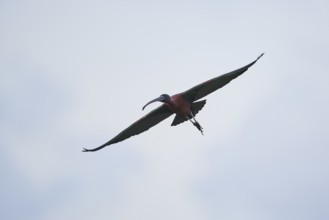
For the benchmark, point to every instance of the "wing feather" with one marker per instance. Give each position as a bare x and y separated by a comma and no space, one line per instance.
203,89
141,125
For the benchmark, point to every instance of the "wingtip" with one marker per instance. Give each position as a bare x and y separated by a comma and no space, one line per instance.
86,150
252,63
260,56
97,148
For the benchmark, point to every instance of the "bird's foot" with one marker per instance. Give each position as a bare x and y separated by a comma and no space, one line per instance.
198,126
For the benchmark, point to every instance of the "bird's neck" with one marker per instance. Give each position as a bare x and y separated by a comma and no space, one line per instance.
170,103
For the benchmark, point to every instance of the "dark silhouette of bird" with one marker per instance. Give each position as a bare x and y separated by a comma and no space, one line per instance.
184,105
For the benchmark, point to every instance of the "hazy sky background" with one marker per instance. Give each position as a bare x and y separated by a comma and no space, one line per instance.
76,73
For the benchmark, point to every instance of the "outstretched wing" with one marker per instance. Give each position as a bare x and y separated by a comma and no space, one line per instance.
143,124
203,89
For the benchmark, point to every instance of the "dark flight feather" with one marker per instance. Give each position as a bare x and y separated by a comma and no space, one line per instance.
143,124
203,89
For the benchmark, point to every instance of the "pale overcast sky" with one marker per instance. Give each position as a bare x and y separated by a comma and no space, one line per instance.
76,73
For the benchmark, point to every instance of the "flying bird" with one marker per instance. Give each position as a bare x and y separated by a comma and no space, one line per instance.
184,105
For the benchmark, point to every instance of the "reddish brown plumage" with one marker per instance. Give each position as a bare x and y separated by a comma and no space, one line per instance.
179,105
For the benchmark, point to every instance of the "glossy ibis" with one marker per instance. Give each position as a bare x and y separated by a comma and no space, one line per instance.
183,104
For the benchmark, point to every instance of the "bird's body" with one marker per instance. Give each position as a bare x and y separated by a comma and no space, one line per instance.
179,105
184,105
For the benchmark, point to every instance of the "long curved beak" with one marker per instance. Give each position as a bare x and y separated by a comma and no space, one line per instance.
159,99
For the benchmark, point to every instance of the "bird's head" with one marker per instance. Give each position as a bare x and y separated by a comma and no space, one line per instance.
162,98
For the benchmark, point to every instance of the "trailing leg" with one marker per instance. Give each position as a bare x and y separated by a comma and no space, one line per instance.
196,124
